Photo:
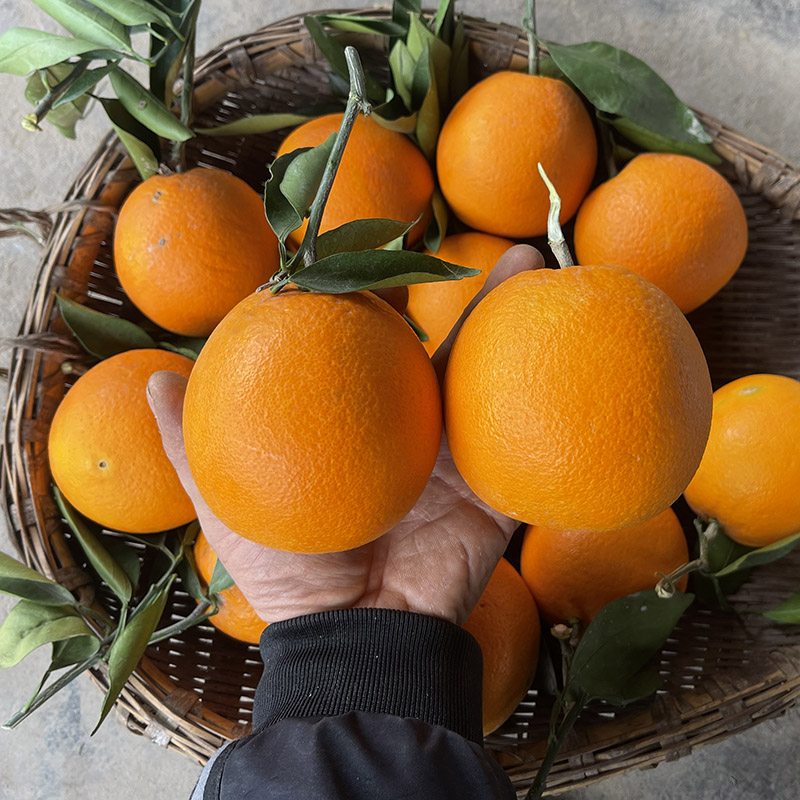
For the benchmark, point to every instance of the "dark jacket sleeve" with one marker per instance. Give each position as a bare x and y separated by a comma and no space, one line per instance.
358,704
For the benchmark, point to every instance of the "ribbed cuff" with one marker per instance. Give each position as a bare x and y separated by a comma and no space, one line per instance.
373,660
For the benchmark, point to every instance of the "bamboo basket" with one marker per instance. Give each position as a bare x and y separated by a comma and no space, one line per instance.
722,673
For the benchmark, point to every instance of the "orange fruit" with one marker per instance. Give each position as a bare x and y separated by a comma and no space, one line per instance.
436,306
506,625
383,174
188,247
670,218
312,421
105,449
577,399
491,142
575,574
236,616
749,478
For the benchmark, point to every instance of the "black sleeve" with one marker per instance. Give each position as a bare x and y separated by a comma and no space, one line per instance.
362,704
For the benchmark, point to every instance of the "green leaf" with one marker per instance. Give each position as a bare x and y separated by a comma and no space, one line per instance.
425,98
402,9
303,175
190,576
220,579
617,82
23,50
721,551
375,269
444,25
142,144
67,652
787,612
186,346
402,64
129,647
99,334
258,123
77,90
99,557
135,12
661,144
459,64
762,555
88,22
30,625
282,217
394,114
357,24
146,108
420,38
126,557
62,115
421,335
168,56
21,581
361,234
619,643
333,50
437,227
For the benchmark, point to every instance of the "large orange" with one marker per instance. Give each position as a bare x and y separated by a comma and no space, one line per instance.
236,616
575,574
436,306
105,449
670,218
382,174
506,624
188,247
312,421
491,142
749,478
577,399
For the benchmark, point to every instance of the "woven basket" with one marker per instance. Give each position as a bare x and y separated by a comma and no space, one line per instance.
723,673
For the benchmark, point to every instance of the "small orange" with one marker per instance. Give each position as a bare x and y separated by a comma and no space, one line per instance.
577,399
383,174
506,625
491,142
749,478
436,306
188,247
312,421
576,574
670,218
236,616
105,450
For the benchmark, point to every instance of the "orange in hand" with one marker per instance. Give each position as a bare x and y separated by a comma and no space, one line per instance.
105,450
576,574
506,624
749,478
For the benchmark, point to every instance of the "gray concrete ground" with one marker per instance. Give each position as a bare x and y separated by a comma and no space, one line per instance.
736,59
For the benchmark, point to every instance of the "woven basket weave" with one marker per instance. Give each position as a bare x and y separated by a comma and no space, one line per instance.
723,673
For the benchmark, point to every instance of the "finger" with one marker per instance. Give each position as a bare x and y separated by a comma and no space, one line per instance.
520,258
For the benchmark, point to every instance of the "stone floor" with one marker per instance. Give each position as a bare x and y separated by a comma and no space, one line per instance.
736,59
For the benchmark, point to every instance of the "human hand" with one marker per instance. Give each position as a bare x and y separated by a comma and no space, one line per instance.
436,561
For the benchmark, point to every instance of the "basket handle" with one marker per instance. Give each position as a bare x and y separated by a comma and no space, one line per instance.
25,222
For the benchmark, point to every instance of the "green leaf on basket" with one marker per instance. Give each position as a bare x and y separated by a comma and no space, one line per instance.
437,227
167,52
135,12
84,83
358,24
142,144
361,234
126,556
303,175
220,579
616,82
65,114
787,612
29,625
721,551
88,22
67,652
445,23
258,123
146,108
425,98
23,50
375,269
402,64
99,334
128,648
661,144
190,576
21,581
761,555
281,215
402,9
611,660
99,557
459,64
420,38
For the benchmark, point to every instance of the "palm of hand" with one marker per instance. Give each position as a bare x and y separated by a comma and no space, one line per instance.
436,561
